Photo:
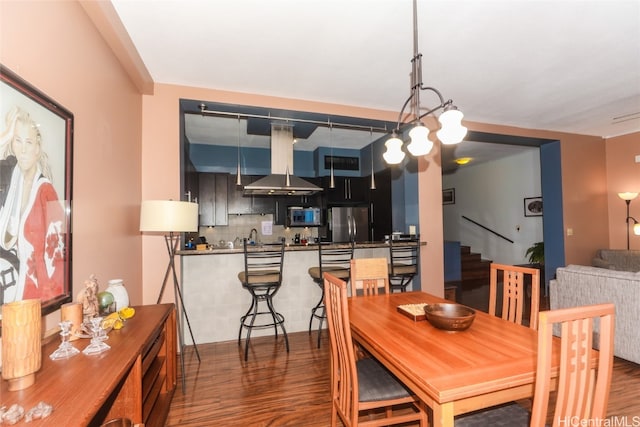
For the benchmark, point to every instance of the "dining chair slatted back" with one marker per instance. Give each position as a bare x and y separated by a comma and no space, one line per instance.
363,387
330,259
583,389
514,293
369,276
404,261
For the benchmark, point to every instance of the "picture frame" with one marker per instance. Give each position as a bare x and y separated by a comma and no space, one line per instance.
36,147
533,206
449,196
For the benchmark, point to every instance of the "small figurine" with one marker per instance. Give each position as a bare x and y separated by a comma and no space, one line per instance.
88,298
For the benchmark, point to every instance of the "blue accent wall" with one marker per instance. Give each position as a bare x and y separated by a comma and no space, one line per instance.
321,152
553,231
404,192
452,261
253,161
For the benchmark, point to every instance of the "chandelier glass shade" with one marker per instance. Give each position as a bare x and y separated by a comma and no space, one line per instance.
394,153
420,143
451,129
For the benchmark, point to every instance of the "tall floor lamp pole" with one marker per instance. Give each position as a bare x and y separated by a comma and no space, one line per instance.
170,217
628,197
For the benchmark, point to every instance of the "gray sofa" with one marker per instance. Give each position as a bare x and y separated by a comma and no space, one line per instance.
577,285
617,259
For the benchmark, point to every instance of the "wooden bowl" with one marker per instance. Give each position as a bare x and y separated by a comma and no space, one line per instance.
449,316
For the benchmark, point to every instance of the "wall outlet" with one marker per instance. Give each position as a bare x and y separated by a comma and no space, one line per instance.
638,158
569,231
412,230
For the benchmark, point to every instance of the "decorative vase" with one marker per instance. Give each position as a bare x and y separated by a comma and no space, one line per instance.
116,288
72,312
21,342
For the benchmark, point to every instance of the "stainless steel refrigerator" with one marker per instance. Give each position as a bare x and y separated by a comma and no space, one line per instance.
348,224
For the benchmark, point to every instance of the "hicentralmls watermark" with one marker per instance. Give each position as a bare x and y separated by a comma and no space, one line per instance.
615,421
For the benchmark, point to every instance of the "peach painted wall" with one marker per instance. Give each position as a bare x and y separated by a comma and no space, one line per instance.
431,226
584,198
56,48
623,174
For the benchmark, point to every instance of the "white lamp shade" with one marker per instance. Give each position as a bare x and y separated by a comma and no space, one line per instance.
451,131
394,153
636,229
168,216
628,195
420,143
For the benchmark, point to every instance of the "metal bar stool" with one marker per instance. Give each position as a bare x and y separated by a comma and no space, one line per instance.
404,263
335,260
262,277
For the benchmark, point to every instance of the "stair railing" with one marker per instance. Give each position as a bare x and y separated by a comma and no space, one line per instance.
488,229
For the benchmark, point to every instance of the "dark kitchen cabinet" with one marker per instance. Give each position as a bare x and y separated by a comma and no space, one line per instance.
212,199
239,204
380,209
191,186
261,205
348,190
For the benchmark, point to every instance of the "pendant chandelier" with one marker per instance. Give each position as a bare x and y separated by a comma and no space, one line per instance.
451,129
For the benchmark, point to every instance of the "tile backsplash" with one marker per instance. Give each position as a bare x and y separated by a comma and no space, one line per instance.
240,226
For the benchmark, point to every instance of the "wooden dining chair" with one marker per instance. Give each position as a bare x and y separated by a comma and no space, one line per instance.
513,292
582,389
363,392
369,276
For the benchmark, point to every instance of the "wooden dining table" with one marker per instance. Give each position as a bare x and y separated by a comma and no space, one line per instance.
492,362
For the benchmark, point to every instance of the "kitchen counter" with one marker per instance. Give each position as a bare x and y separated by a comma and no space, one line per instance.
215,300
291,247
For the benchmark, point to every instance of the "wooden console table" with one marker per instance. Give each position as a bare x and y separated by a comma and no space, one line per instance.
135,379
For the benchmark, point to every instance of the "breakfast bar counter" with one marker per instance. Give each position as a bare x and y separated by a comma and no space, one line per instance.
289,248
215,300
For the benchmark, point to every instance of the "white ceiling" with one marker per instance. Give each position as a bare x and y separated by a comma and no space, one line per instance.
571,66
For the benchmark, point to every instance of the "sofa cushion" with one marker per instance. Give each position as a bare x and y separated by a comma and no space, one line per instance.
600,263
617,259
569,271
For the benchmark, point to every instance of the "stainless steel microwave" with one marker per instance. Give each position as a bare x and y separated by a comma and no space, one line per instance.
304,217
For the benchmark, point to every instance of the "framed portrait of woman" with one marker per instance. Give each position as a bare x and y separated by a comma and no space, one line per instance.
36,161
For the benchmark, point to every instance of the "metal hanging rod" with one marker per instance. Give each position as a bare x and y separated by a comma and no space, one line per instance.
327,123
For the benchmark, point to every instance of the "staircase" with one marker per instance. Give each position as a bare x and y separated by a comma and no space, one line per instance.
475,270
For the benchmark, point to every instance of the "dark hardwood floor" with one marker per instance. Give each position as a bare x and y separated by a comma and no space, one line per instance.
278,389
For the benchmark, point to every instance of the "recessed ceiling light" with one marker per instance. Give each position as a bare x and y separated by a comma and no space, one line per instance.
463,160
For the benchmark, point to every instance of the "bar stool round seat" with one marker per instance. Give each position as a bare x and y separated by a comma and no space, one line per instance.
262,278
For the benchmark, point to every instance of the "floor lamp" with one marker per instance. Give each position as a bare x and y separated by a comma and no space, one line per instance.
628,197
170,218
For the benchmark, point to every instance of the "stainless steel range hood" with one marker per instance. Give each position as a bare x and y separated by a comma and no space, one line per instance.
281,182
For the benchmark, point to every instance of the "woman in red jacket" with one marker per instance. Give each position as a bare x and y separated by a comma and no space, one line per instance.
32,216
